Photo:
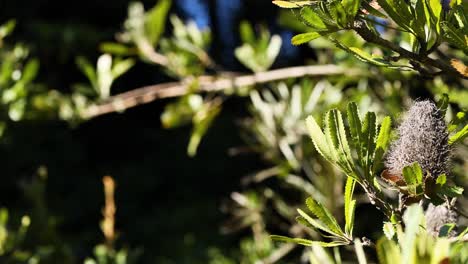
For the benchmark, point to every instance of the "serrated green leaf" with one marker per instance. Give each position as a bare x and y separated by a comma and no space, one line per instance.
324,215
300,241
305,37
368,58
351,8
378,61
459,136
383,141
301,220
413,176
316,224
355,128
368,147
398,10
349,205
338,13
336,133
319,140
313,20
307,242
455,36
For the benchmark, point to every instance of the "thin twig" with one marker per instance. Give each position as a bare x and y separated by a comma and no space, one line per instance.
151,93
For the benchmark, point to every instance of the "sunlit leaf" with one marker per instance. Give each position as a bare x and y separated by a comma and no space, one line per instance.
306,242
155,20
349,205
292,4
323,215
459,136
305,37
318,138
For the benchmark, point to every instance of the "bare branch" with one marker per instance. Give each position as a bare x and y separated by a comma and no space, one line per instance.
151,93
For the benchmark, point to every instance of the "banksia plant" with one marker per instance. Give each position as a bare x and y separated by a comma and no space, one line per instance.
423,138
437,217
416,167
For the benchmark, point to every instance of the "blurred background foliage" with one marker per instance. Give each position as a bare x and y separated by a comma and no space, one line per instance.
204,177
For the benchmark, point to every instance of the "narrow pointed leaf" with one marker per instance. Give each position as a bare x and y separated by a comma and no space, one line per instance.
351,7
300,241
368,134
324,215
317,224
292,4
459,136
355,128
318,138
312,19
349,205
383,141
305,37
156,20
307,242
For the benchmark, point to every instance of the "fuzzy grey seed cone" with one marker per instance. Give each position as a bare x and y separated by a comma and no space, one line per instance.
438,216
423,138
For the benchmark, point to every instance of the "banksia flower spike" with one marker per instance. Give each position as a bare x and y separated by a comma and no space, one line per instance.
437,217
423,138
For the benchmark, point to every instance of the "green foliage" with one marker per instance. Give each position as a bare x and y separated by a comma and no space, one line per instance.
325,222
420,35
142,30
17,72
257,54
11,240
333,142
358,164
415,245
186,49
426,24
106,255
106,71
